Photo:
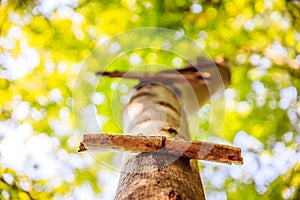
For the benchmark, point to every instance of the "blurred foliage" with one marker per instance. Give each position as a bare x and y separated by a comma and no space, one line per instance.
260,39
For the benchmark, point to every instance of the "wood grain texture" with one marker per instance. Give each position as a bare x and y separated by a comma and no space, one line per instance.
162,145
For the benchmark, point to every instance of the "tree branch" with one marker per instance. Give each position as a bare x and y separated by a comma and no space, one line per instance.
281,60
192,77
292,65
160,144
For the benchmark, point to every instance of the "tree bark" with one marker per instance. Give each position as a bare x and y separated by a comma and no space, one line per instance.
154,108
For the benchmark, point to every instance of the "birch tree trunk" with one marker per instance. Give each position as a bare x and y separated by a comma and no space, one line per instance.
155,110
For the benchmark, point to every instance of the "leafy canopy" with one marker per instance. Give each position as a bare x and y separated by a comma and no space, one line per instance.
44,44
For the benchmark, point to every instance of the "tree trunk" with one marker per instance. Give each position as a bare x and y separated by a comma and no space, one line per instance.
155,110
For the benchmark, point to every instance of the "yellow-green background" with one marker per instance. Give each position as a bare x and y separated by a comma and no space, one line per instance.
50,40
